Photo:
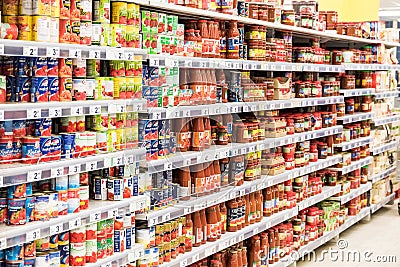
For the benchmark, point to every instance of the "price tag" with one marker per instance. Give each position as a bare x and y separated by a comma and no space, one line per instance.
113,213
210,251
240,238
188,63
112,108
121,108
1,49
55,112
246,109
272,106
75,53
33,113
269,183
228,65
243,150
56,229
91,166
154,221
53,52
108,264
187,210
242,192
232,194
118,161
138,107
3,243
32,235
93,110
232,241
183,263
196,258
168,166
94,54
34,176
154,62
96,216
128,159
77,111
57,171
129,55
253,188
30,51
166,217
203,64
75,223
236,65
73,169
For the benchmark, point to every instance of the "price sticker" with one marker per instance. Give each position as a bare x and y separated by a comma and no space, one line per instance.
33,113
253,188
129,55
166,217
113,213
121,108
203,64
77,111
183,263
55,112
94,54
187,210
228,65
120,55
242,192
240,238
128,159
236,65
94,217
269,183
272,106
138,107
30,51
1,49
205,112
57,171
94,110
168,166
246,109
75,53
154,62
53,52
3,243
91,166
154,221
75,223
196,258
74,169
217,155
118,161
210,251
232,194
32,235
108,264
34,176
56,229
233,241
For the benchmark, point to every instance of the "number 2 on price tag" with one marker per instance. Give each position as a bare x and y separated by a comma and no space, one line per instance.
30,51
94,217
34,176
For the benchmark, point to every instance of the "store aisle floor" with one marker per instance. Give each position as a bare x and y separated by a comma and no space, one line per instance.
369,240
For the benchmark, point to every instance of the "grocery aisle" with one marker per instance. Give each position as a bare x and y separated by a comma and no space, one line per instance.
363,237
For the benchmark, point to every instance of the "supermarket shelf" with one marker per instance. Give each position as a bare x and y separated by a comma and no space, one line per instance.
18,173
353,66
182,159
230,239
379,176
353,193
386,200
354,219
387,94
378,121
297,31
383,148
98,210
354,143
237,107
327,191
38,49
18,111
355,165
360,116
121,258
356,92
231,192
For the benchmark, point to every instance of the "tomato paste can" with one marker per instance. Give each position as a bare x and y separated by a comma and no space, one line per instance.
101,11
54,89
91,251
12,19
14,253
79,89
105,39
68,124
77,255
30,249
29,261
3,209
42,259
119,87
56,147
18,128
25,7
39,66
92,68
84,197
62,202
30,149
68,145
41,28
41,207
128,187
6,149
65,6
65,67
65,89
30,206
115,187
40,89
43,127
119,11
75,31
55,9
23,89
99,188
64,255
121,171
45,148
65,31
101,247
41,7
86,33
78,68
16,191
16,209
101,141
10,8
117,35
75,11
54,29
54,241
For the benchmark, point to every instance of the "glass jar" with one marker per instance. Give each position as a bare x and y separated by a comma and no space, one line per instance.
349,106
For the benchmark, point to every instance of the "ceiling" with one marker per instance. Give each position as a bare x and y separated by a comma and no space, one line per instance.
389,9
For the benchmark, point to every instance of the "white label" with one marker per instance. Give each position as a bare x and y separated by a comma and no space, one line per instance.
129,159
196,258
233,241
75,223
77,111
3,241
129,55
205,111
112,108
236,65
30,51
166,217
55,112
53,52
75,53
168,166
118,161
240,238
154,62
73,169
1,49
183,263
138,107
56,172
94,217
154,221
187,210
32,235
188,162
156,115
210,251
203,64
188,63
56,229
112,213
121,108
91,166
93,110
33,113
94,54
242,192
1,115
1,181
108,264
34,176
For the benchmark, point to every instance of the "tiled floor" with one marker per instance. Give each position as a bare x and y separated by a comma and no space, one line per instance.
380,236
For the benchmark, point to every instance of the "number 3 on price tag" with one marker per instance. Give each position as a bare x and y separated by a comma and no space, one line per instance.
32,235
91,166
53,52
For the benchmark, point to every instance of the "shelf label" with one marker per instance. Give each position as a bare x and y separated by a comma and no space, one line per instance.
183,263
203,64
34,176
138,107
94,110
205,112
168,166
73,169
121,108
188,63
129,159
154,221
196,258
32,235
56,229
57,171
187,162
113,213
154,62
3,243
210,251
33,113
255,231
108,264
53,52
30,51
118,161
91,166
96,216
187,210
75,53
75,223
1,49
232,241
129,55
166,217
1,181
77,111
55,112
1,115
94,54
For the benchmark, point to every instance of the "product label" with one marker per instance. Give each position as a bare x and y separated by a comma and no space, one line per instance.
198,139
233,44
183,191
199,235
232,217
212,230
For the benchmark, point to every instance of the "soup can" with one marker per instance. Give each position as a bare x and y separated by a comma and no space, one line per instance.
62,202
43,244
42,208
115,187
30,207
30,249
16,209
15,253
42,259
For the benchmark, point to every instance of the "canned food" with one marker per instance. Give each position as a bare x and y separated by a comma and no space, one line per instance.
17,148
10,8
40,89
91,251
30,207
40,28
93,68
65,67
119,12
23,89
29,261
64,255
86,32
62,202
42,259
75,11
77,254
104,89
16,211
65,7
41,212
68,147
53,206
84,197
30,249
54,241
73,205
30,149
79,89
115,186
54,89
99,188
43,127
39,66
65,89
3,210
68,124
52,67
45,148
65,33
101,11
17,191
75,31
26,7
118,35
54,30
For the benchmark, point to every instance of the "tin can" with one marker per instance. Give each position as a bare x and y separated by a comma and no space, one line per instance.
42,259
16,211
43,244
62,183
96,33
65,89
41,7
10,19
53,203
93,68
75,11
14,253
65,31
119,87
39,66
101,11
54,241
42,207
62,202
68,124
99,188
54,89
77,254
243,9
104,89
55,147
23,67
105,38
23,89
101,247
52,67
68,145
86,33
84,197
40,89
25,8
64,255
19,128
79,68
29,261
6,149
16,191
30,206
10,8
91,251
45,148
63,239
54,30
43,127
18,263
117,35
30,149
3,209
115,188
79,89
119,12
65,7
17,148
84,178
40,28
75,31
54,257
30,249
65,67
119,240
73,205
